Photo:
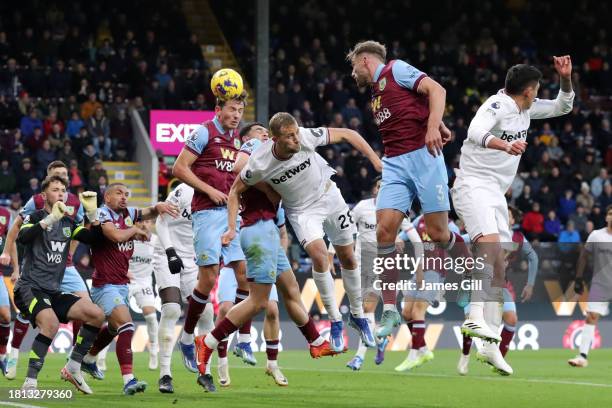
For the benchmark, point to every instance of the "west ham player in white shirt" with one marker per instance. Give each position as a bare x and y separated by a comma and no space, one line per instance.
489,160
314,206
176,274
599,247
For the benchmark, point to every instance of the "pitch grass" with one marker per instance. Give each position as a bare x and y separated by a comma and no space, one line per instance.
541,379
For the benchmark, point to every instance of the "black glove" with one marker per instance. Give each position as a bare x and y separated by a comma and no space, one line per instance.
174,262
579,285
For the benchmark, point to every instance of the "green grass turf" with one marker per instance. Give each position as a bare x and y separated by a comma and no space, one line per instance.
541,379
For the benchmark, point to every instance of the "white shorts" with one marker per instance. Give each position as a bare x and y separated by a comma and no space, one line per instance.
601,308
143,294
483,208
329,216
185,281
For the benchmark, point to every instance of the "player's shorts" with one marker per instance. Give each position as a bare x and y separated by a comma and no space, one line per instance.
144,294
72,281
601,308
483,208
266,258
328,216
184,281
414,174
31,301
227,286
429,277
208,227
109,296
4,296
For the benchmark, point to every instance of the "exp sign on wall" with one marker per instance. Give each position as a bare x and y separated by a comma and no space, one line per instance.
169,128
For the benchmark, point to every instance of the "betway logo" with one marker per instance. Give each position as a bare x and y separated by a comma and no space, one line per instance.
292,172
169,132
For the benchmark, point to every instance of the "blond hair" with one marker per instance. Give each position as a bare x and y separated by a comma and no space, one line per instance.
369,47
279,121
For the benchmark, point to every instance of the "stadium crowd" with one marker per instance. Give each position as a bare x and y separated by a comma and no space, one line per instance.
69,78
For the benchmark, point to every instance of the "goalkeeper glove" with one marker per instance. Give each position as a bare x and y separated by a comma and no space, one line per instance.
175,264
579,286
89,200
57,213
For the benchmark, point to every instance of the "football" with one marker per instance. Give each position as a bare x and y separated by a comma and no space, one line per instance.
226,84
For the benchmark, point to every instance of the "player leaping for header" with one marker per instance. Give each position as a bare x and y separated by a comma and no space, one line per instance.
489,160
408,108
266,263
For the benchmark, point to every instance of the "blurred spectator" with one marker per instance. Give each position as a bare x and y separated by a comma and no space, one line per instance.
88,158
44,156
533,222
89,107
362,184
67,154
15,207
605,199
597,217
96,172
279,99
554,151
8,181
35,141
56,137
98,128
567,205
30,122
525,201
74,125
569,235
579,219
598,182
547,199
32,189
25,173
75,176
552,227
50,122
121,136
343,184
100,188
164,175
350,110
534,180
585,199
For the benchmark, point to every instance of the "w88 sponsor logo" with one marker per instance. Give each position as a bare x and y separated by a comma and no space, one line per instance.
381,116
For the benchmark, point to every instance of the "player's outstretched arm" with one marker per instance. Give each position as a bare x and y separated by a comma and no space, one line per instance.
160,208
241,161
233,205
545,108
115,234
338,135
437,103
182,171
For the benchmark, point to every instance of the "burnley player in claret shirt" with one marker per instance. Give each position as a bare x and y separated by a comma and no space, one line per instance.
111,257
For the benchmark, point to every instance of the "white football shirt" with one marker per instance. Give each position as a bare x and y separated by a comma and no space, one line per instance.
599,244
299,180
500,116
141,262
180,229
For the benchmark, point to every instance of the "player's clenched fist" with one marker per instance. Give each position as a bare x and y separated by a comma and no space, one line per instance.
175,264
89,199
227,237
57,213
516,148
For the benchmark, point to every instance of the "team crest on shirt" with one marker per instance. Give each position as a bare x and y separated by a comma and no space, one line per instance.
70,209
2,219
382,83
66,231
237,143
128,221
495,105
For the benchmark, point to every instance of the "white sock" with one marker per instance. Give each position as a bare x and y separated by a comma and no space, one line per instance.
187,338
212,342
152,329
361,349
326,287
90,359
272,364
413,354
244,337
588,332
476,311
221,360
31,381
73,366
207,369
389,306
320,340
127,378
14,353
170,313
493,315
206,323
102,354
352,285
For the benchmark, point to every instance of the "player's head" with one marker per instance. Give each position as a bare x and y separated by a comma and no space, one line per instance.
523,81
515,215
285,133
116,196
53,189
57,168
147,225
609,216
365,57
254,130
229,112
